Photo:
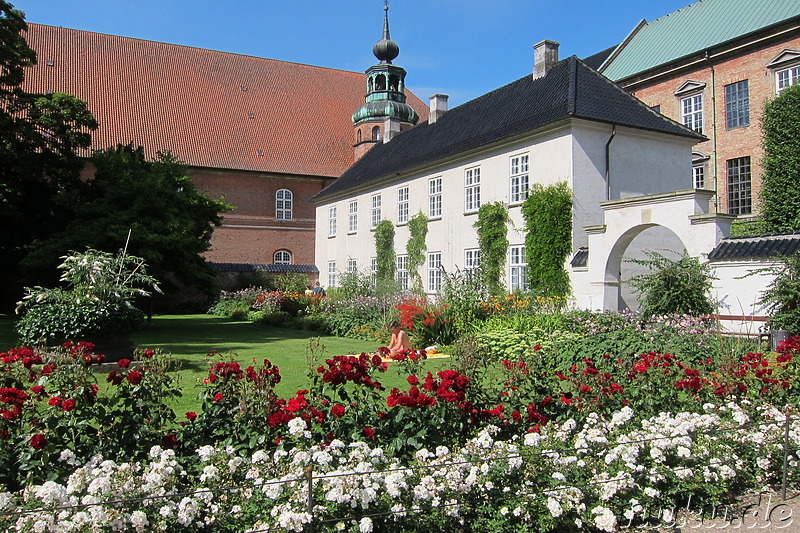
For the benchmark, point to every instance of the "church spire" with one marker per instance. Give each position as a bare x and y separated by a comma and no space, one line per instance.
385,112
386,49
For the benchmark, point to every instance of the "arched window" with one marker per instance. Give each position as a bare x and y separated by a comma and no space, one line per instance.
358,136
376,133
283,204
380,82
282,257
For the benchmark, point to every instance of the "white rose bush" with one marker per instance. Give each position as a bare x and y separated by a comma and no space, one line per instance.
596,444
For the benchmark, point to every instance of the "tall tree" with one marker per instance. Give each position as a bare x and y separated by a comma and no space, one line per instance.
40,136
169,220
780,186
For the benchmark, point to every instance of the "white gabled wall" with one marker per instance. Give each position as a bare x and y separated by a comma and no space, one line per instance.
574,153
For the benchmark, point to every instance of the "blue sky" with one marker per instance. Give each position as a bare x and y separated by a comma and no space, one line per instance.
463,48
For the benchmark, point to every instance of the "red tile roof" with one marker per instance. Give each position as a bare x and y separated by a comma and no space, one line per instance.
211,109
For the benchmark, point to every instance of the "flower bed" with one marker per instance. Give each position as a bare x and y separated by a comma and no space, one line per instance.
532,443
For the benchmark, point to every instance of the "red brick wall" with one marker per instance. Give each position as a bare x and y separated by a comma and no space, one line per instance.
251,233
751,64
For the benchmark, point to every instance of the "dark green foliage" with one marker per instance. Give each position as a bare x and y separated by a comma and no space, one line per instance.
39,137
673,286
415,249
492,226
170,222
548,240
780,185
52,323
748,228
386,259
783,294
291,282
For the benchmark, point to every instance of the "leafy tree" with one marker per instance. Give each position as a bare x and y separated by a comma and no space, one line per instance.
548,241
40,137
492,226
679,286
782,296
151,204
780,185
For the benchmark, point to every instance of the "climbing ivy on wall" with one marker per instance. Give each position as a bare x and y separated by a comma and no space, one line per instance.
548,240
416,248
493,244
386,260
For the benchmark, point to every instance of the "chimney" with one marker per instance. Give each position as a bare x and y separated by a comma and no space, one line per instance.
545,56
391,127
438,107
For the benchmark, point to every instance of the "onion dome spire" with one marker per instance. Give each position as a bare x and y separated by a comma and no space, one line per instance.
386,49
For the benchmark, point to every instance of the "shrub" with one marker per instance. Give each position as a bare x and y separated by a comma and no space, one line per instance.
782,296
97,301
673,287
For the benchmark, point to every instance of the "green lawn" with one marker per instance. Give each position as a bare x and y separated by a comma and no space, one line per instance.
190,338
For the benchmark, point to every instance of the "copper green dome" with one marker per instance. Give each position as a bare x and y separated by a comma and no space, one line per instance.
383,109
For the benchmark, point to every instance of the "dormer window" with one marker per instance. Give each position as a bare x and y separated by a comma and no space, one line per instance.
691,102
787,69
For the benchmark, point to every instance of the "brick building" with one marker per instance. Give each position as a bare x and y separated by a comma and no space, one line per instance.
267,134
712,65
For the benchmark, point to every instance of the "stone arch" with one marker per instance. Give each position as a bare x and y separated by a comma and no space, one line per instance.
683,213
626,246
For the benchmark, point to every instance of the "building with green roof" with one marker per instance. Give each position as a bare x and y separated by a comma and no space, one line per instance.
711,66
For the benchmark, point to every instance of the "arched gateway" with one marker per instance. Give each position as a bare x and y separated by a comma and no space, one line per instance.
684,213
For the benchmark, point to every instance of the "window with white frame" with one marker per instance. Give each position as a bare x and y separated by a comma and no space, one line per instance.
737,104
373,270
434,271
434,197
472,189
352,265
692,112
402,205
519,178
332,221
331,274
739,186
283,204
402,272
699,176
471,260
787,77
518,269
282,257
375,217
352,217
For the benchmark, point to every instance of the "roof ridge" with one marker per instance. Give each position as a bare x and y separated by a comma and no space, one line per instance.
236,54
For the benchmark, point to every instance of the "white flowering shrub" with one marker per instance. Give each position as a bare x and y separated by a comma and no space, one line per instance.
600,474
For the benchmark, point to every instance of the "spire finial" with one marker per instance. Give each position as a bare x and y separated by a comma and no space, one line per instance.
386,49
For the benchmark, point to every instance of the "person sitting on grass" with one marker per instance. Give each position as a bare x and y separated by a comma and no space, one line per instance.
399,342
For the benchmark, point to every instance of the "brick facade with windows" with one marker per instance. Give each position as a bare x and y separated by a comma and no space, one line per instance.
731,143
247,127
733,71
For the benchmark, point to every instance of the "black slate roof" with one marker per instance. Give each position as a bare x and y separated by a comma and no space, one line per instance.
595,60
255,267
756,247
570,90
